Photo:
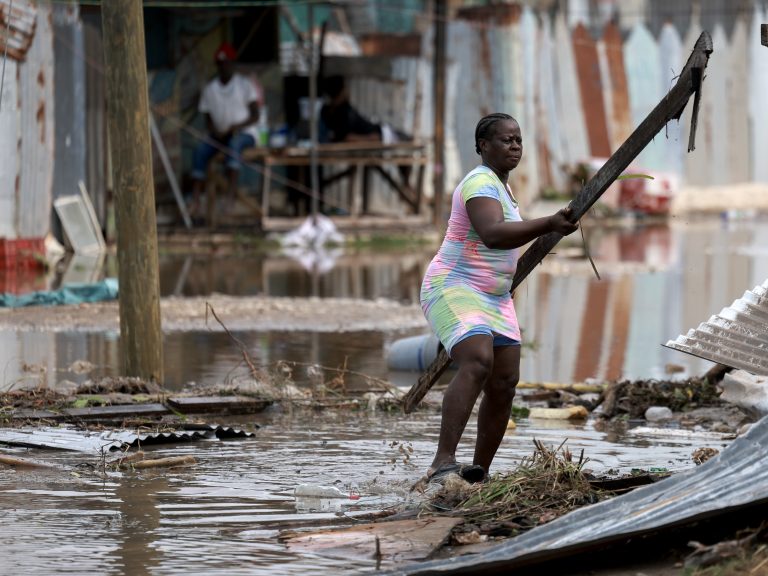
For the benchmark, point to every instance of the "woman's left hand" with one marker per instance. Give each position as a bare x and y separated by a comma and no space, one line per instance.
560,222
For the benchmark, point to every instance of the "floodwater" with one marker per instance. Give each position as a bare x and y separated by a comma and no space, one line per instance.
657,282
222,515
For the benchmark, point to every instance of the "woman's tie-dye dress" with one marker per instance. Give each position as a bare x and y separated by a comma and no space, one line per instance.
466,286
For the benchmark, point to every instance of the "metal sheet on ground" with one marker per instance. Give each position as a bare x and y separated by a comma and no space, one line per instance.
735,479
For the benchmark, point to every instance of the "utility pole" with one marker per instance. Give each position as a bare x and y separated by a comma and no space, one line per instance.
440,13
134,193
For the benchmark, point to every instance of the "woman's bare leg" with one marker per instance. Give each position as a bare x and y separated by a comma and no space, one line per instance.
496,405
475,359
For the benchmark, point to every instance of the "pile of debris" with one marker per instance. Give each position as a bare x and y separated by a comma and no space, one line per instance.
544,486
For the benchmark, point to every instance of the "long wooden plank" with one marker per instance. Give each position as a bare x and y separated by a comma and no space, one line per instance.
119,411
232,404
670,107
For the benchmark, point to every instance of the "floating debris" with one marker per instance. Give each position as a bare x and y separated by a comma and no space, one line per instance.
736,337
69,438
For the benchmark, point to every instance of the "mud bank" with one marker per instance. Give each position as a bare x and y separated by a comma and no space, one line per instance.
237,313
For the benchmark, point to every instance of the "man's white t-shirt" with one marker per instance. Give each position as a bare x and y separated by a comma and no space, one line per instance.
229,104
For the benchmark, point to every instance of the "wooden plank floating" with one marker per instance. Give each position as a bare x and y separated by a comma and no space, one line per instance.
119,411
169,462
398,540
17,462
234,404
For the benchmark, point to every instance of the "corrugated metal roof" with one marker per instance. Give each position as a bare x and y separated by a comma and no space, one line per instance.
68,438
22,17
736,478
736,337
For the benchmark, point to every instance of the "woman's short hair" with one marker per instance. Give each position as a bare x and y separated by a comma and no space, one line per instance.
484,128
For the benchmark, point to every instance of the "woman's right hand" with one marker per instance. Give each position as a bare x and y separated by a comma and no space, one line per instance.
560,222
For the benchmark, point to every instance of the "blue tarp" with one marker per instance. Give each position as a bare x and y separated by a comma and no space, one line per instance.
68,294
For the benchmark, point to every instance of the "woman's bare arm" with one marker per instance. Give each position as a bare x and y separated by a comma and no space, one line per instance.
487,218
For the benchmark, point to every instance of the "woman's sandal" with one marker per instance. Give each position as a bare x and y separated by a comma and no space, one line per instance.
472,473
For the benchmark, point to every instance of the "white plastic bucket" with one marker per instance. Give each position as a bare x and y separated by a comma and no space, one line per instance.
415,353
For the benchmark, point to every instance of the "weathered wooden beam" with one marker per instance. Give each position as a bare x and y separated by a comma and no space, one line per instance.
671,107
141,339
228,404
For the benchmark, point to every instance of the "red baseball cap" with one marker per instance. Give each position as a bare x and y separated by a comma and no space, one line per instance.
225,52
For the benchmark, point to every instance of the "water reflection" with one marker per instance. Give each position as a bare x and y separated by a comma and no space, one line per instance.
656,282
340,273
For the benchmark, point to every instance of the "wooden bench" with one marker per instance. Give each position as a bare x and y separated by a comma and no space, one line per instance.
360,158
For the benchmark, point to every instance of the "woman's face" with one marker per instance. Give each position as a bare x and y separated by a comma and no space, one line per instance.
503,149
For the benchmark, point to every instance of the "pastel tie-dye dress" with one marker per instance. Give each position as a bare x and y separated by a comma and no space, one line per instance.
466,286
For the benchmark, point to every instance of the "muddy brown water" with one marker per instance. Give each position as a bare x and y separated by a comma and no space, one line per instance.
222,515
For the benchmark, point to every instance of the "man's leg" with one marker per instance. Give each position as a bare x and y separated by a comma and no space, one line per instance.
202,156
475,359
236,145
496,405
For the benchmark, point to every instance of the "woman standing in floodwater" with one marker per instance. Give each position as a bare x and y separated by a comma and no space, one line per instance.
465,296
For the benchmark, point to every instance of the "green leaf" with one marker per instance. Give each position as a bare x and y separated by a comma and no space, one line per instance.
629,176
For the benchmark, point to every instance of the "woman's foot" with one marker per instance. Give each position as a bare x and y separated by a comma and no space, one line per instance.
471,473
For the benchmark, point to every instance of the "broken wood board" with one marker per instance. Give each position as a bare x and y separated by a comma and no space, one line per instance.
17,462
33,414
230,404
119,411
394,541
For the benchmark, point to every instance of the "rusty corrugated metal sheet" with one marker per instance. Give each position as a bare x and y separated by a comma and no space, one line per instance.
65,438
591,86
98,177
17,27
9,153
36,104
620,117
27,126
736,479
69,78
736,337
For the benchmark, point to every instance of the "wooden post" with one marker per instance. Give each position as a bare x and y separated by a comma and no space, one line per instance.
764,34
134,192
438,167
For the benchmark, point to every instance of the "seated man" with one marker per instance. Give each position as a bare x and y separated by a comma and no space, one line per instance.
341,122
344,123
230,105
